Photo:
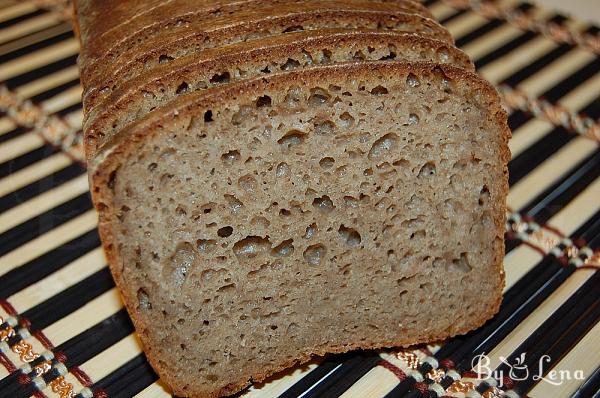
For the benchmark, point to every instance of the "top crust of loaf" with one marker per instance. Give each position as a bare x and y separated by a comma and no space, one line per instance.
236,27
258,53
131,19
467,85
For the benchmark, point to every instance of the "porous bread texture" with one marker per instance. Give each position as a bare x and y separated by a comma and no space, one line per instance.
103,47
250,59
253,225
250,25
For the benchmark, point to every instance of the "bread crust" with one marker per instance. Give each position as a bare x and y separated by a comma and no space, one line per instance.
131,19
258,52
122,145
358,13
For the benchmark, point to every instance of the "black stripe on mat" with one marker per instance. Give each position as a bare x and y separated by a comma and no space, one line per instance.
45,222
37,269
96,339
41,72
537,65
40,186
69,300
54,91
452,16
482,30
129,379
70,109
590,388
35,47
553,199
27,159
13,133
314,376
577,78
21,18
532,157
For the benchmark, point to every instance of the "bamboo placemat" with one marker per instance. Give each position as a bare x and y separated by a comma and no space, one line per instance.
63,329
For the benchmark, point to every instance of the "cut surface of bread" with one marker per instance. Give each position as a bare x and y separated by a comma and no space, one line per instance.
252,225
166,16
251,59
253,25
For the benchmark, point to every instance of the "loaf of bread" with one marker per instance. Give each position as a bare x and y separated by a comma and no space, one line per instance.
272,197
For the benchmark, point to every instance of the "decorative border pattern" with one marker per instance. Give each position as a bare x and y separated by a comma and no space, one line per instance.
529,21
54,130
35,367
558,115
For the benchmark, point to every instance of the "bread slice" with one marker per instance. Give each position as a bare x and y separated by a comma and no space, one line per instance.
251,59
160,16
252,225
253,25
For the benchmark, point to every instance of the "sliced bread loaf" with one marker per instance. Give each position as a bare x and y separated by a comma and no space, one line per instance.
250,59
132,27
252,225
253,25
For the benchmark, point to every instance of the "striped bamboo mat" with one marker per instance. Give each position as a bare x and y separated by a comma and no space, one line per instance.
63,329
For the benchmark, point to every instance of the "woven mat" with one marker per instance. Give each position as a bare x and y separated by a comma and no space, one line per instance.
63,329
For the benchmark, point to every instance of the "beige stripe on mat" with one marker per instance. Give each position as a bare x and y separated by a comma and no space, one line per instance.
48,241
43,202
97,310
28,26
20,145
64,278
585,356
112,358
33,173
550,171
530,324
17,10
29,62
47,82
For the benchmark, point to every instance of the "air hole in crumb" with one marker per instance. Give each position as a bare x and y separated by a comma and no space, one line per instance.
383,146
461,264
427,170
220,78
290,64
143,299
314,254
347,120
208,116
285,212
180,262
295,28
325,127
224,232
164,58
244,114
323,204
310,231
292,138
413,118
318,97
379,90
484,195
235,205
284,249
351,201
206,245
265,100
152,167
182,88
412,80
349,235
251,247
230,157
205,322
282,170
326,163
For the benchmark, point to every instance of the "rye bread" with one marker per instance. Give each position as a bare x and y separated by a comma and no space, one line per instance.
250,59
132,25
252,225
252,25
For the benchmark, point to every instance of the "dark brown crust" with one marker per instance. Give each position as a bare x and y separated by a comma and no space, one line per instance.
104,40
123,145
227,58
127,65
